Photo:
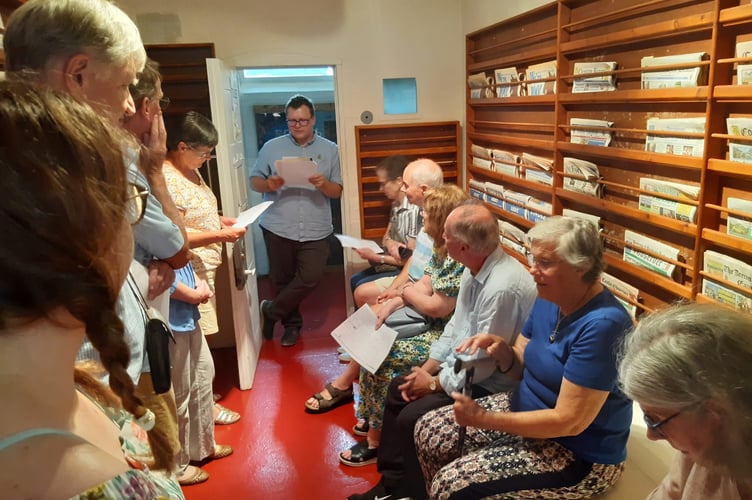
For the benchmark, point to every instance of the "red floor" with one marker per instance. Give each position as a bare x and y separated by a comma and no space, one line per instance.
281,452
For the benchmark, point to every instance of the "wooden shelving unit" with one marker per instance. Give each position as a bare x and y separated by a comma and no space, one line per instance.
439,141
572,31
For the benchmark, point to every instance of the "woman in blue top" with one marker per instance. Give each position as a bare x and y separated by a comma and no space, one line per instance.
563,432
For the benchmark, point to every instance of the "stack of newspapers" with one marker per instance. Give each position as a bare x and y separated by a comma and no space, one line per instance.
477,189
537,210
672,78
600,83
622,291
655,204
508,82
537,168
585,177
740,227
633,255
512,237
728,269
740,126
744,71
676,145
506,163
581,132
481,86
542,71
482,157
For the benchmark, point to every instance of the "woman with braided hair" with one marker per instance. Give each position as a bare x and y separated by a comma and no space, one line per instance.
66,210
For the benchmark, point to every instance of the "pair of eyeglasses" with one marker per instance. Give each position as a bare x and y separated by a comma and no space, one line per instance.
656,426
204,155
302,123
136,203
542,264
163,103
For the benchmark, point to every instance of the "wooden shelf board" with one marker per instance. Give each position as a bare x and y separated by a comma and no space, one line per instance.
408,152
683,94
732,168
727,241
519,142
663,282
548,99
676,161
736,15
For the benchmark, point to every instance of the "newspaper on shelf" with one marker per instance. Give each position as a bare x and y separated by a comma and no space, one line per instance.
481,86
483,163
539,176
622,289
744,49
738,226
594,219
477,189
476,184
481,152
496,190
668,208
538,209
662,79
588,136
582,168
744,74
530,160
516,203
513,237
727,296
541,71
506,163
728,268
681,146
601,83
742,127
507,82
633,255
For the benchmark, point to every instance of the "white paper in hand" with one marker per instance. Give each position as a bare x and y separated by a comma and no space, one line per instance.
247,217
367,346
350,242
296,171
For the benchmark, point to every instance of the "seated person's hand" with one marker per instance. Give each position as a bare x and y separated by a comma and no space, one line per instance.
368,254
417,384
466,411
161,277
480,341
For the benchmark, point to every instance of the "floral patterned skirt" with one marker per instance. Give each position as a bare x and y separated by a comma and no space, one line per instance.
500,465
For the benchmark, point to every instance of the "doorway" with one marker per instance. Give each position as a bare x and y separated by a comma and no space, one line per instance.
263,95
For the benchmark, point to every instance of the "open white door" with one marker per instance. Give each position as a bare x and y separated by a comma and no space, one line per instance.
225,109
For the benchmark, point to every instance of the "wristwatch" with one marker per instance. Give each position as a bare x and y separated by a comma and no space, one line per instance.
432,384
382,259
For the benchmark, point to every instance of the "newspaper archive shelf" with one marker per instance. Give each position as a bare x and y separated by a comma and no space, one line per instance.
587,31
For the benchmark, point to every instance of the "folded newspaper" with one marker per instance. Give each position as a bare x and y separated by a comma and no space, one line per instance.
594,219
601,83
506,163
685,77
682,146
668,208
588,184
507,82
541,71
633,255
740,126
728,268
739,226
727,296
587,135
621,290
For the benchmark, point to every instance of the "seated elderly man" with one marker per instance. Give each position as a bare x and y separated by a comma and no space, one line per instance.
496,294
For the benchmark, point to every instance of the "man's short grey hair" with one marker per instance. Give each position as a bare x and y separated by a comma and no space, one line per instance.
41,31
475,225
576,241
426,171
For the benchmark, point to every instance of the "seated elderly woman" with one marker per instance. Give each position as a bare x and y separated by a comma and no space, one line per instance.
690,369
66,213
563,432
434,296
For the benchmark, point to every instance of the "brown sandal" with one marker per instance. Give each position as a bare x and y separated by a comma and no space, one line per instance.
339,397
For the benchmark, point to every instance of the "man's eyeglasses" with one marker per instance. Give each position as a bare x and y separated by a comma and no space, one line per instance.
163,103
656,426
136,203
302,123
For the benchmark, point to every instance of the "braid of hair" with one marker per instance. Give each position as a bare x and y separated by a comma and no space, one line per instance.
105,330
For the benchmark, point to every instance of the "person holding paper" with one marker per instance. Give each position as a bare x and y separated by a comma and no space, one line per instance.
434,296
563,432
296,226
496,294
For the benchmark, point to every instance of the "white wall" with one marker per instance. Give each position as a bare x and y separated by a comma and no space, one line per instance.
367,40
477,14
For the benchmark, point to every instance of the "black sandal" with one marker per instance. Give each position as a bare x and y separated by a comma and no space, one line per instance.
339,398
360,455
361,429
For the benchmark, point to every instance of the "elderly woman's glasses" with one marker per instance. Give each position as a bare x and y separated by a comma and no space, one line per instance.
136,203
656,426
204,155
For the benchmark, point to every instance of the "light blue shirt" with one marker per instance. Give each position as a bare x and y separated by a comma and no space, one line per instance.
421,256
497,300
183,315
298,214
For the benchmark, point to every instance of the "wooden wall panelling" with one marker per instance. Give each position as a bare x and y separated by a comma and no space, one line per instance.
603,30
439,141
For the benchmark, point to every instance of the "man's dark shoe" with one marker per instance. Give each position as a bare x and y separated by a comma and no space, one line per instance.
267,323
290,337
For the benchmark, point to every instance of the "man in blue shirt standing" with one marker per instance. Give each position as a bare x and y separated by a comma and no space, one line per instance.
297,224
